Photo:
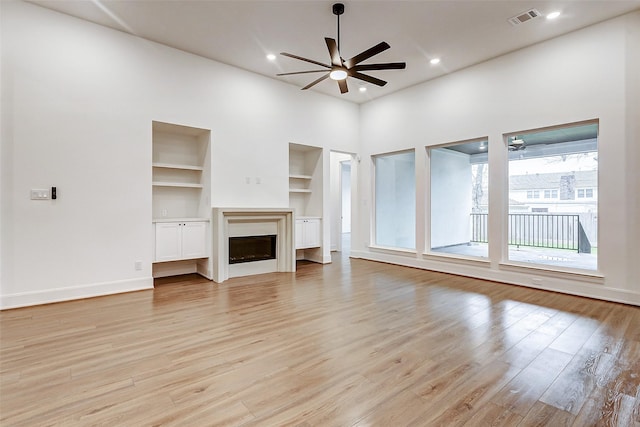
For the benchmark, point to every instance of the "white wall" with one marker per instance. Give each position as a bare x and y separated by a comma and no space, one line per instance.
77,105
588,74
450,198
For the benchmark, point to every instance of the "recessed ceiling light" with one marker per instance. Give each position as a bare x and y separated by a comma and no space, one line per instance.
363,89
271,57
435,61
553,15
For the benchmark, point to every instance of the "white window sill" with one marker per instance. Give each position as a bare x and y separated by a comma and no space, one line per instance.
398,251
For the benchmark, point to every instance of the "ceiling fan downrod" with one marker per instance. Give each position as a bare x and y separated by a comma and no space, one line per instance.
338,9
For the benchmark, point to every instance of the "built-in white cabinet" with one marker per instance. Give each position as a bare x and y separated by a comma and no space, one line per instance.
181,199
306,199
176,241
308,233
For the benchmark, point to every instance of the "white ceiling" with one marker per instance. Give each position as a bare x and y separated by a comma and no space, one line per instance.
242,32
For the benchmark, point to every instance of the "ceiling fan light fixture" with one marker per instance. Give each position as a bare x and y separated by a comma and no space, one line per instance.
338,74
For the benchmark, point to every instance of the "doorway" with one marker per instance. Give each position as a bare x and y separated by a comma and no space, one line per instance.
341,177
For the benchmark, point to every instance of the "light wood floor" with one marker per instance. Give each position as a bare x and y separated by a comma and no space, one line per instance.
354,343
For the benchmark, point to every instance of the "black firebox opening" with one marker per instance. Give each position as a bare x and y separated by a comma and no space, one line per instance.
252,248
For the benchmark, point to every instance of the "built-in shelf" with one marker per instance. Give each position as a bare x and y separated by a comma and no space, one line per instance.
177,184
306,199
181,194
300,177
177,166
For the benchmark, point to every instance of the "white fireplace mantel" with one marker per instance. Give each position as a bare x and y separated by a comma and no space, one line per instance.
251,218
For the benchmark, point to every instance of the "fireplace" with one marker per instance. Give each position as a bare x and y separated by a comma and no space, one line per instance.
250,241
252,248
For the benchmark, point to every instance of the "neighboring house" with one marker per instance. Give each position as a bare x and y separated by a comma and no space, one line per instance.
557,192
553,193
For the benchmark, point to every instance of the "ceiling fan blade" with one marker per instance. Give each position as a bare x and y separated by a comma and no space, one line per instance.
387,66
304,59
301,72
380,47
343,86
367,78
315,82
333,52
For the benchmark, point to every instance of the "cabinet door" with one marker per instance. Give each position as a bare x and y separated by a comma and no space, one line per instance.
168,241
299,233
193,240
312,233
307,233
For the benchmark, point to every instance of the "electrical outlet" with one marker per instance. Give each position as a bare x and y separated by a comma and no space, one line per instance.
138,265
165,212
536,281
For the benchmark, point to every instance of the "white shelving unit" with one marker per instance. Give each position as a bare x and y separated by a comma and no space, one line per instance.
181,199
305,197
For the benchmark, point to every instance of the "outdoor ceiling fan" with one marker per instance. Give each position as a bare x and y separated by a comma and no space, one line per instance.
517,144
340,69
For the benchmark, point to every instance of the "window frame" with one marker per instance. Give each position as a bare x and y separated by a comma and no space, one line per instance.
508,264
428,252
373,242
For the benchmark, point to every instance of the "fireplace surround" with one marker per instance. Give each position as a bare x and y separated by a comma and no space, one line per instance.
232,223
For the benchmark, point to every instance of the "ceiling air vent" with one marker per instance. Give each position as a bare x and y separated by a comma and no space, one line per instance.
524,17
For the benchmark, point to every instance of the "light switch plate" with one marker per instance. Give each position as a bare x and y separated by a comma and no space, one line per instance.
40,194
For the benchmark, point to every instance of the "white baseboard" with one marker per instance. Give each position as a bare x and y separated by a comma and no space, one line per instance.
25,299
561,285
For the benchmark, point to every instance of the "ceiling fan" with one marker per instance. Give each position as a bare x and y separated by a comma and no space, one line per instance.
517,144
340,69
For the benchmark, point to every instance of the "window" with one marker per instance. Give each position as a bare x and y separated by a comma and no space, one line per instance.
459,198
561,231
395,200
585,193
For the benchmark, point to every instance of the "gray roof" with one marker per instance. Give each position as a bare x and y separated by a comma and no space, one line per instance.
541,181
